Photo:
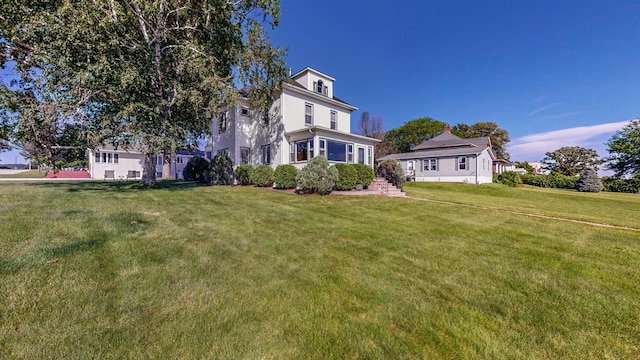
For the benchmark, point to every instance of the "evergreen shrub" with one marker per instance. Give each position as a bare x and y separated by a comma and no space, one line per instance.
285,176
196,169
262,176
318,177
365,174
221,170
243,174
391,170
614,184
589,181
347,177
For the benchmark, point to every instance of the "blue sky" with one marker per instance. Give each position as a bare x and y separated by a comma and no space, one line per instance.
537,68
552,73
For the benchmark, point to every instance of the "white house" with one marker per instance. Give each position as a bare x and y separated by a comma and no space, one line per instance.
109,162
305,120
448,158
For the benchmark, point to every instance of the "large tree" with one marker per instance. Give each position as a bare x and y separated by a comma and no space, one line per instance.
571,160
146,72
413,133
624,150
499,137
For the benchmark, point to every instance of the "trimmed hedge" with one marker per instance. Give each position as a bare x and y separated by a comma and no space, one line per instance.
614,184
365,174
347,177
243,174
262,176
553,180
285,176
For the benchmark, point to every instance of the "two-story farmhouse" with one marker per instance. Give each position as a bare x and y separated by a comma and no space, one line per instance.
448,158
305,120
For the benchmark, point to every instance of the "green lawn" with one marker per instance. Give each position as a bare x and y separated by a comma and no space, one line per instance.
27,174
232,272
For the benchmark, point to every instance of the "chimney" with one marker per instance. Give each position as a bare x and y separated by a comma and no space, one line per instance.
447,128
289,71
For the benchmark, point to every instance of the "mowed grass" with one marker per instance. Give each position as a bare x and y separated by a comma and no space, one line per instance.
27,174
232,272
605,207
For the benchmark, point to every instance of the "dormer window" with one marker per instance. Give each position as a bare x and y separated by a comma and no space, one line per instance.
320,87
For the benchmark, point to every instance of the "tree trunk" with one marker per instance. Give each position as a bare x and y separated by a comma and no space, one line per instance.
149,170
166,165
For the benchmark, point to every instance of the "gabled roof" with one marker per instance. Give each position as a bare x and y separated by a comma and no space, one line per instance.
296,85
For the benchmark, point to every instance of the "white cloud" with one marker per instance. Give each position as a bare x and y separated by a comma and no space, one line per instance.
533,147
546,107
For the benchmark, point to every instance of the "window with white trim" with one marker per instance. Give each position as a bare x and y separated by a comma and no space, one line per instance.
334,119
97,157
350,153
370,156
338,151
115,158
430,164
323,149
308,114
360,155
462,163
301,151
104,157
244,111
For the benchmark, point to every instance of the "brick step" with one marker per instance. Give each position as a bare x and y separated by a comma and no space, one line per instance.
391,190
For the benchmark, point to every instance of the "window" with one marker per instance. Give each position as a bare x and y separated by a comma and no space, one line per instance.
462,163
320,86
244,155
370,156
115,158
301,150
337,151
158,174
308,114
159,160
323,148
109,157
244,111
222,123
265,120
334,117
223,151
360,155
430,164
97,157
350,153
266,154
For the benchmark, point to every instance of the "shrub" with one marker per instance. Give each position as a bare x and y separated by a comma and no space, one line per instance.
560,181
243,174
318,177
196,169
221,170
392,171
347,177
262,176
365,174
285,176
509,178
589,181
621,185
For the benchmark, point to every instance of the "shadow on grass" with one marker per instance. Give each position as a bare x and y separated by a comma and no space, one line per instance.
117,186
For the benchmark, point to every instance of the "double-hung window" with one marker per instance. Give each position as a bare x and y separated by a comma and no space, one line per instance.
462,163
308,114
115,158
301,151
334,119
430,164
97,157
323,148
360,155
